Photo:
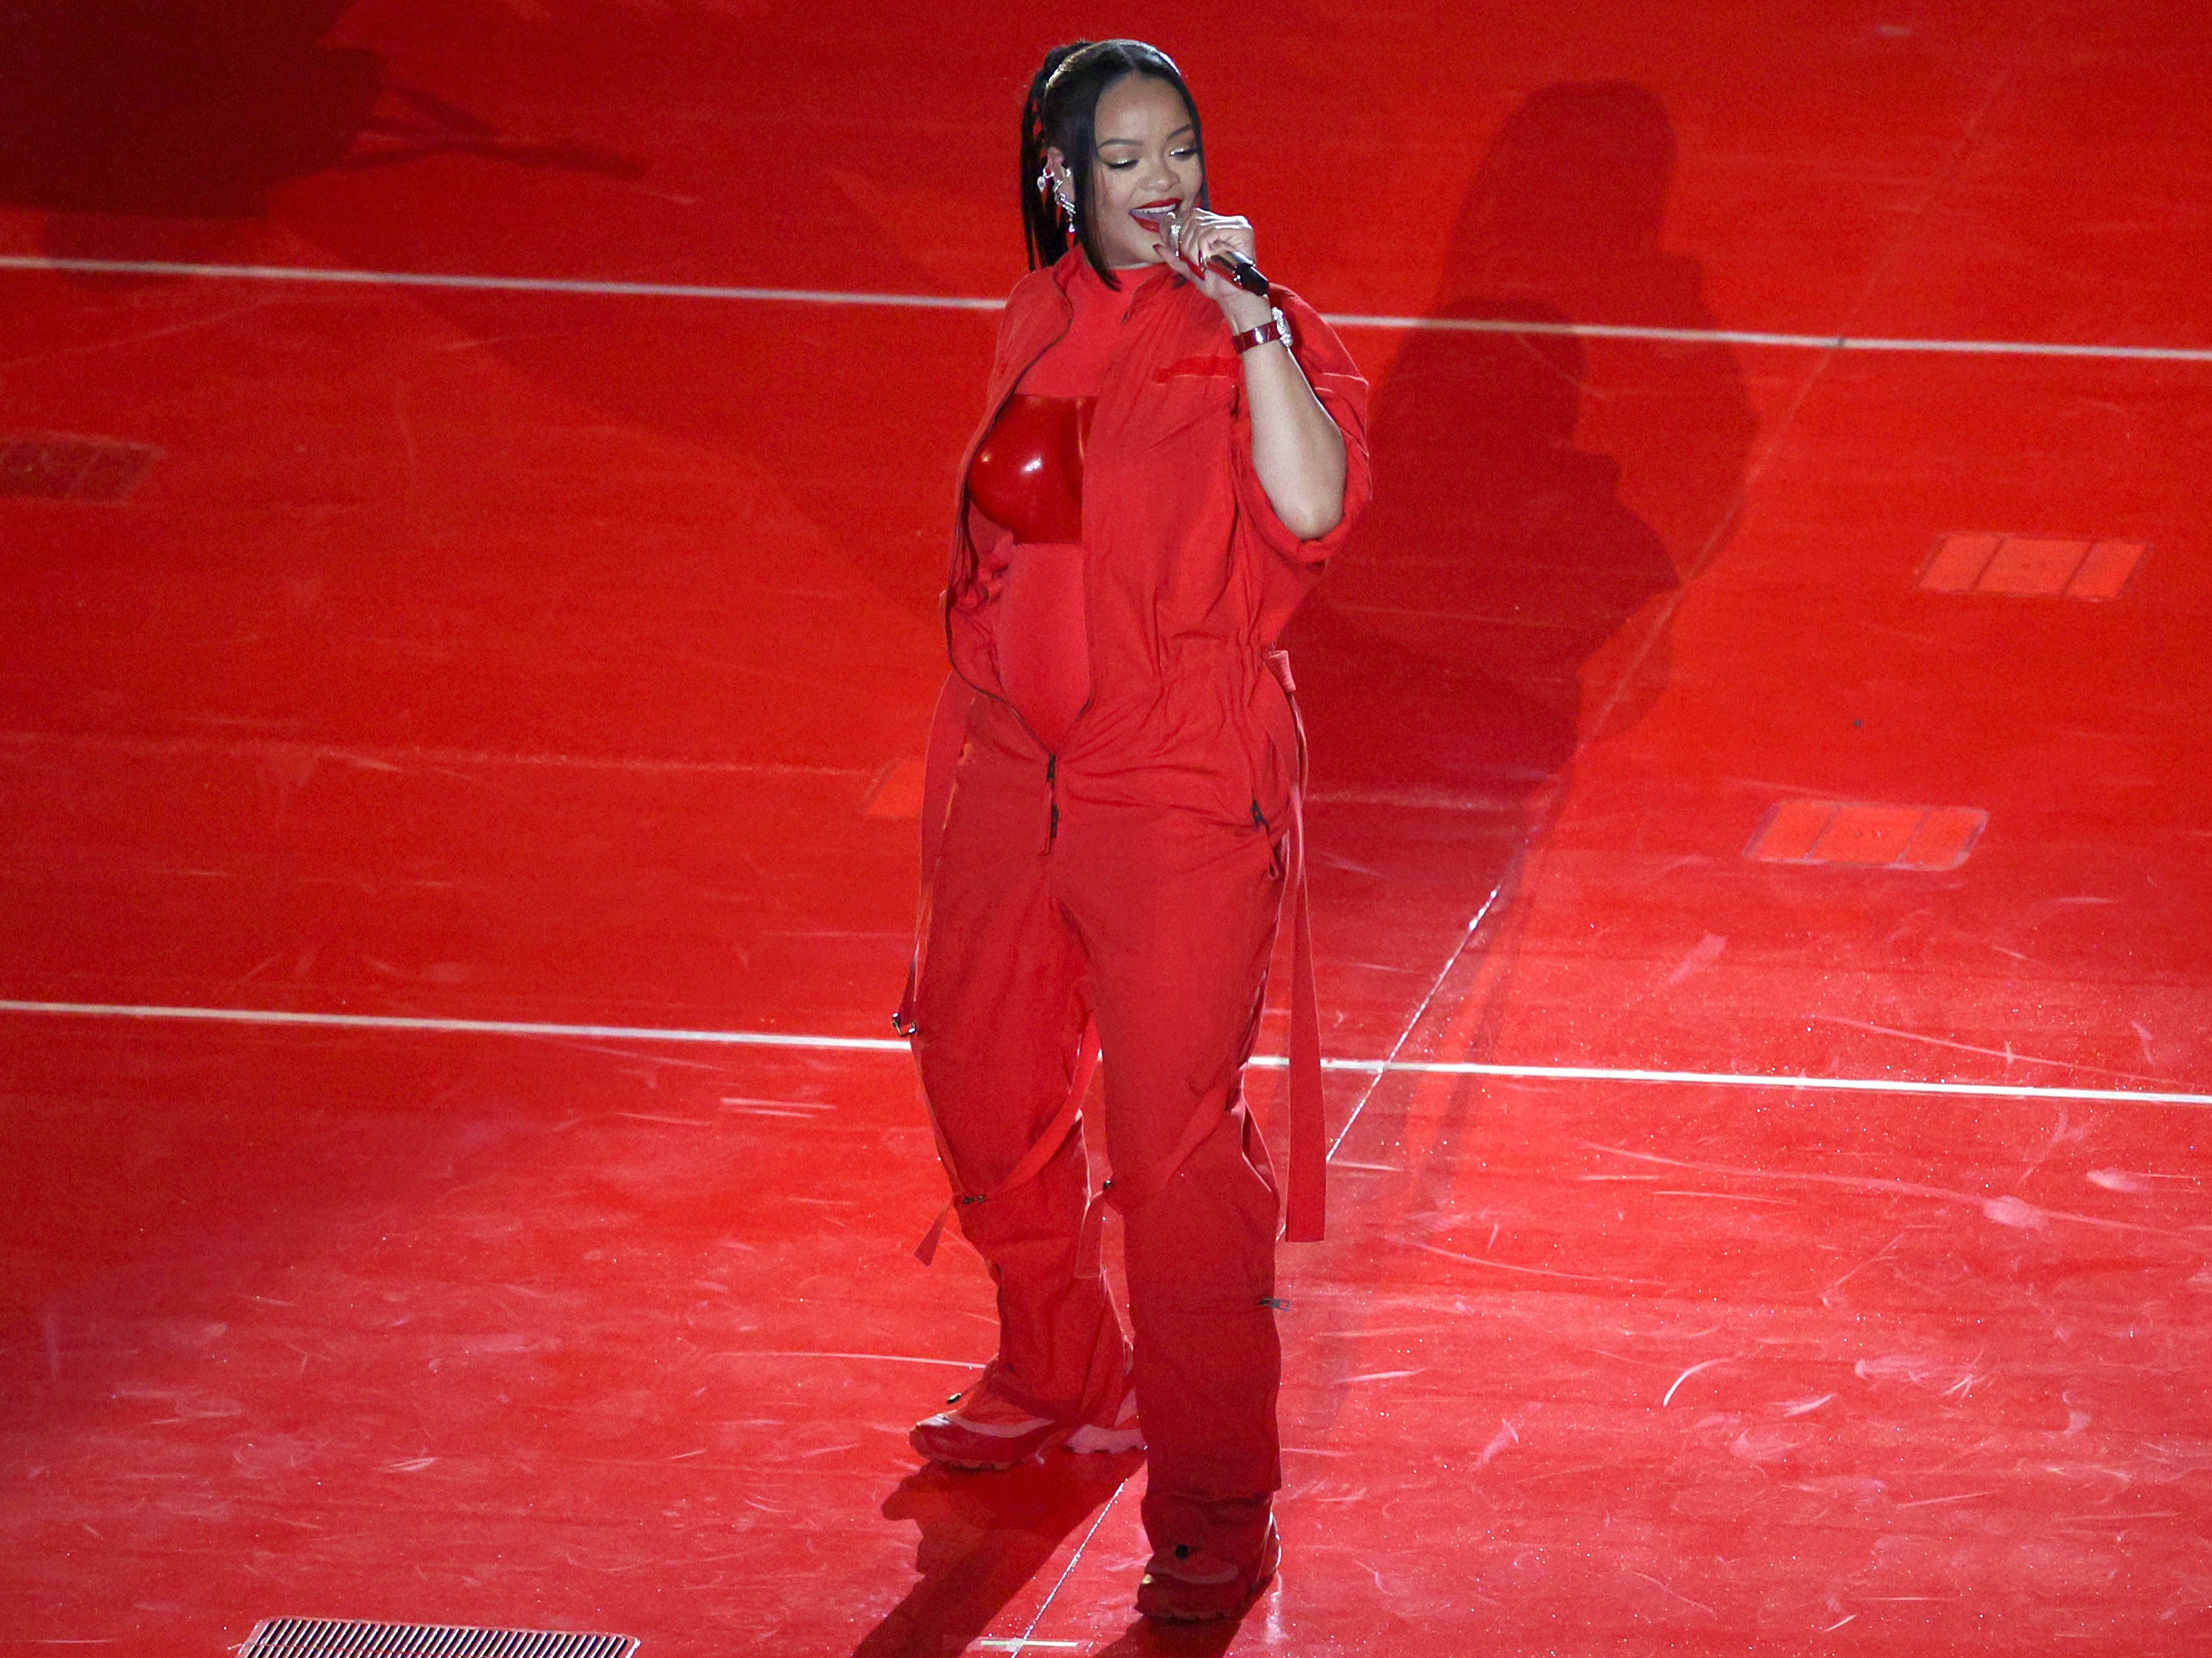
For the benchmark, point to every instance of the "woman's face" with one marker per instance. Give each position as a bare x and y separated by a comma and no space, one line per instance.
1147,157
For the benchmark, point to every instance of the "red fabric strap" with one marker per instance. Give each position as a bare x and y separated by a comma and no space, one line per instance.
1305,1209
1042,1151
1132,1193
1091,1241
948,732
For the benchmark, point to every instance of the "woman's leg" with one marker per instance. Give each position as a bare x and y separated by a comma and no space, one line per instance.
999,1012
1177,917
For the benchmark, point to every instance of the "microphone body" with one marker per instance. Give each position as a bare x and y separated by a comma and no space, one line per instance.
1241,271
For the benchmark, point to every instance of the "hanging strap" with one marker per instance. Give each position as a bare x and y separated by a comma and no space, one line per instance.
1044,1149
1305,1210
948,730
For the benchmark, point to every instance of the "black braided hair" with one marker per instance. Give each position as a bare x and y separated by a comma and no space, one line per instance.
1061,113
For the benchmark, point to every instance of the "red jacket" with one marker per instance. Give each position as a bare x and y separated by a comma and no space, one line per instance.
1190,575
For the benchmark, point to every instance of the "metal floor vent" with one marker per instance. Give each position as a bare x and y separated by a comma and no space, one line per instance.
324,1638
72,469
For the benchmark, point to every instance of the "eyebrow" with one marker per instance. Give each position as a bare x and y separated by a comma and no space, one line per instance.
1177,133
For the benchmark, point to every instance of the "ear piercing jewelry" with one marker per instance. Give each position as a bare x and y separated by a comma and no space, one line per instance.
1048,184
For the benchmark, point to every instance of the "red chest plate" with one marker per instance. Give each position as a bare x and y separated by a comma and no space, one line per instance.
1028,475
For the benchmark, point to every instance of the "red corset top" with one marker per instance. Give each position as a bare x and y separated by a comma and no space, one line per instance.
1028,475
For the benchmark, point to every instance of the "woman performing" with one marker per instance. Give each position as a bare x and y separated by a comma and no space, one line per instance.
1168,461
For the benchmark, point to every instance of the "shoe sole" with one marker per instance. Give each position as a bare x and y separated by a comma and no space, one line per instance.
1107,1444
1215,1617
1259,1588
971,1464
1086,1439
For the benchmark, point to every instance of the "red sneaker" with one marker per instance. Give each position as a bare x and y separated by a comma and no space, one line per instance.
1183,1585
1124,1433
988,1431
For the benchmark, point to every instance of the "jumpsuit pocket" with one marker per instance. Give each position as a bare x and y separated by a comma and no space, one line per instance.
1175,403
1214,366
1206,722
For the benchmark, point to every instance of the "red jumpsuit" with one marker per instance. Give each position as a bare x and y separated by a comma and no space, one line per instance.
1124,864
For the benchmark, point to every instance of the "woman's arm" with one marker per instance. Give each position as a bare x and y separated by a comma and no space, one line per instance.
1297,450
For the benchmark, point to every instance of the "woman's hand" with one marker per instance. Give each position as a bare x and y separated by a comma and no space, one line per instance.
1297,450
1188,244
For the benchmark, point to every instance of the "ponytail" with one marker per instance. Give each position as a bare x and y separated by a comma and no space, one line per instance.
1045,229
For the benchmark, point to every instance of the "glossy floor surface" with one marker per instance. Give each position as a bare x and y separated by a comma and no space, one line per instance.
554,659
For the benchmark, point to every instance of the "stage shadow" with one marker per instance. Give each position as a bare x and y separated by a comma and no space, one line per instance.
174,131
1540,495
161,128
1146,1639
983,1537
1534,491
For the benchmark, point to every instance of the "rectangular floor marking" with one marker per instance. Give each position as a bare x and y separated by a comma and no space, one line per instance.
1860,837
959,302
2030,567
73,469
1269,1061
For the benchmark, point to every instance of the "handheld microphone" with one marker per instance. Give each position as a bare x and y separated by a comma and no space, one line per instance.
1234,266
1241,271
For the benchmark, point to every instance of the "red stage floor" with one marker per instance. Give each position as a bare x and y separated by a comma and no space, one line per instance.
1797,1253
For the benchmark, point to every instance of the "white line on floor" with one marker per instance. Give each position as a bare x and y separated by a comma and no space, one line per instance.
892,1045
1753,1079
292,273
275,273
871,1358
263,746
475,1027
1796,341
